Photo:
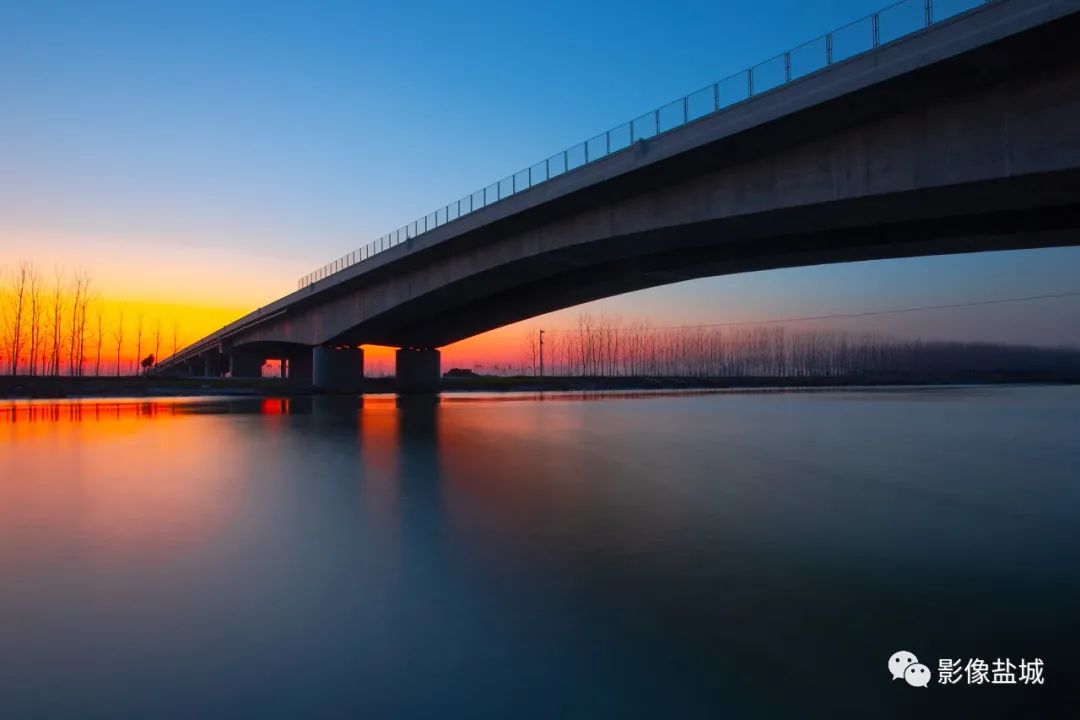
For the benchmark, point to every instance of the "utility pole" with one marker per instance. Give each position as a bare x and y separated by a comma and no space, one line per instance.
541,353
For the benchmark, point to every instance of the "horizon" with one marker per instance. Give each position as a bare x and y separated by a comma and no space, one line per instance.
117,349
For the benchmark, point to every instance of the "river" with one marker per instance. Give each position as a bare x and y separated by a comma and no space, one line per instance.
724,554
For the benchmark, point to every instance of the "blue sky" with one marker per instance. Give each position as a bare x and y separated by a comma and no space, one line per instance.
277,136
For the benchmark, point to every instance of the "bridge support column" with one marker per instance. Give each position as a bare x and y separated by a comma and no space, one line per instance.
418,370
244,365
337,368
300,367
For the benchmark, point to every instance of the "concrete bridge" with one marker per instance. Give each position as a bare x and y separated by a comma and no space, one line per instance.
960,137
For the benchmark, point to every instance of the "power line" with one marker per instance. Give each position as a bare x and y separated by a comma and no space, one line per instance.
869,313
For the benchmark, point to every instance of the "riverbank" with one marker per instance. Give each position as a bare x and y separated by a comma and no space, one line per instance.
127,386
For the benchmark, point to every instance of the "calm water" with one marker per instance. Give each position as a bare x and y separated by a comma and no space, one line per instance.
722,555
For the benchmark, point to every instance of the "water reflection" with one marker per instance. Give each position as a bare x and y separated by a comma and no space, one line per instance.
684,555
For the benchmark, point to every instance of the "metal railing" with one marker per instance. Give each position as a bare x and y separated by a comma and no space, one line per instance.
863,35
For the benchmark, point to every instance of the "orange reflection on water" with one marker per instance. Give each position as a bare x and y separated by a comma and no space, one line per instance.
522,467
75,411
108,483
274,406
379,451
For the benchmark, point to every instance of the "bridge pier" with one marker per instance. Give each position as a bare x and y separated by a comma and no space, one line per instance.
300,367
244,365
418,370
337,368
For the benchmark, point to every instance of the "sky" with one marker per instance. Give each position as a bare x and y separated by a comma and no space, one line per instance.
198,158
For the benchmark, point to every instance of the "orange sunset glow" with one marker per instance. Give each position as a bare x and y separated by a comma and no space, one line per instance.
173,311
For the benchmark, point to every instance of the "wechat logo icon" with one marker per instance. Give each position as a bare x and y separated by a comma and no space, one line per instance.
904,665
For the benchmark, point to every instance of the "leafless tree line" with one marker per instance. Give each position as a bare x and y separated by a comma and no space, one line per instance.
59,325
606,346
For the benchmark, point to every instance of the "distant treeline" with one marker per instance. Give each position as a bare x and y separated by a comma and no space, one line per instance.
603,347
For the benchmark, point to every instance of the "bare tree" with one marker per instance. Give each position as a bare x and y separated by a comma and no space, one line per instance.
73,345
37,307
531,348
80,286
99,335
16,316
86,298
57,323
139,318
118,335
157,340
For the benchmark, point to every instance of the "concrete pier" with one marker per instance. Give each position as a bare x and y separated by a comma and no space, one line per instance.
300,367
337,368
418,370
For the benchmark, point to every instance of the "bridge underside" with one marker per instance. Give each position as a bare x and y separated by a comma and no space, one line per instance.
996,168
570,276
965,138
970,218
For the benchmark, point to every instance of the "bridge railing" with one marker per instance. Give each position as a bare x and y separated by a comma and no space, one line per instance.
863,35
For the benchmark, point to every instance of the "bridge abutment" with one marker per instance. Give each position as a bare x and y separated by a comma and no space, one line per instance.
337,368
418,370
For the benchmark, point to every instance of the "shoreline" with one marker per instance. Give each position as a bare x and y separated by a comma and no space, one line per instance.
25,387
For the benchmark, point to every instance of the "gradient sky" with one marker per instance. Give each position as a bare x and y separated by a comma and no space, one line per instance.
205,155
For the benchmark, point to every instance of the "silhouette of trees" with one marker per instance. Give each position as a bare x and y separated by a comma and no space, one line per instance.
605,346
60,325
45,329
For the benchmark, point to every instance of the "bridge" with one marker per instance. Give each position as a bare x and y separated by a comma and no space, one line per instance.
949,136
